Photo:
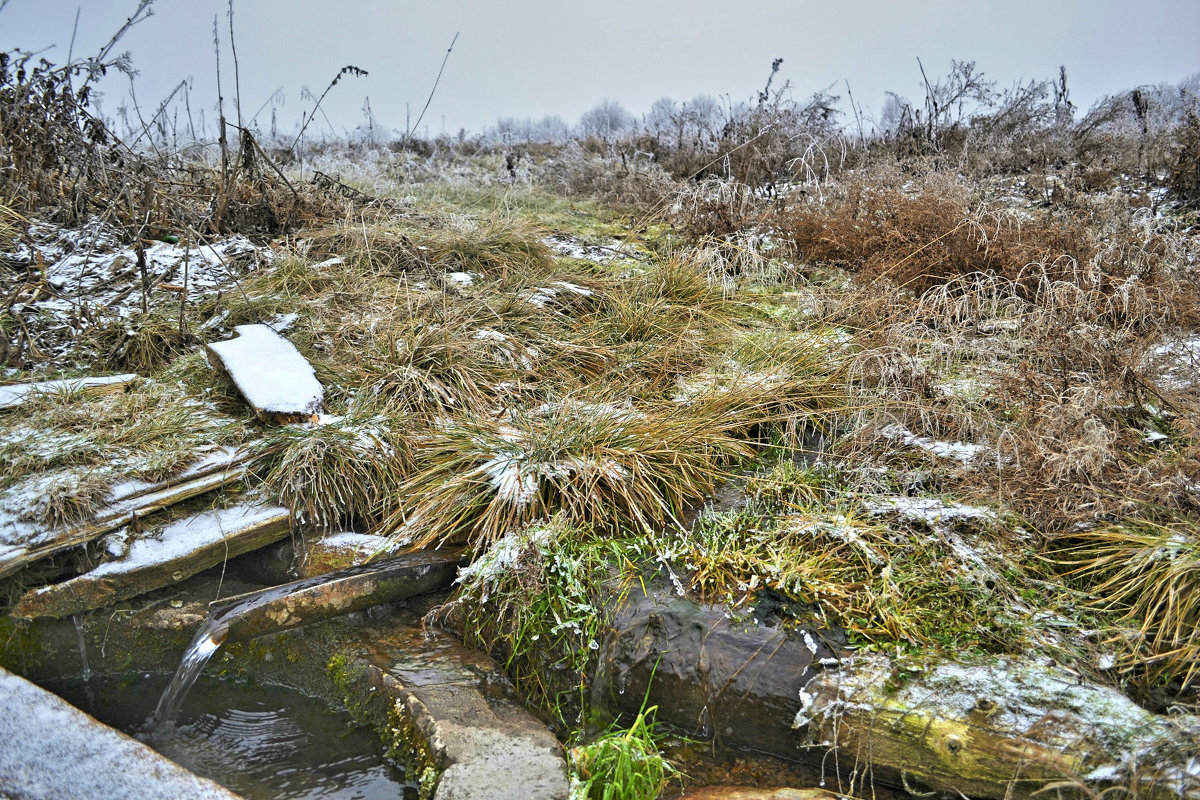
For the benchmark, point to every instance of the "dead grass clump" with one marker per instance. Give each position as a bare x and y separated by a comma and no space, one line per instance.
10,226
433,367
920,241
372,245
594,463
770,389
1147,573
499,251
143,344
339,473
715,208
65,498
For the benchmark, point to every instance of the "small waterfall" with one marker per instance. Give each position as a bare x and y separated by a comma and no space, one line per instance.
297,603
207,642
86,672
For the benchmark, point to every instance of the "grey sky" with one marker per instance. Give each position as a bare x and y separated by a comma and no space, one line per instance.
523,58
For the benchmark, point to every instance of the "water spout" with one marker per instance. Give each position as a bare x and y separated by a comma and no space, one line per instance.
203,647
85,673
279,608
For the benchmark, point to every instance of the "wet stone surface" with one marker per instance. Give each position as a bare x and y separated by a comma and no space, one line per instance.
712,677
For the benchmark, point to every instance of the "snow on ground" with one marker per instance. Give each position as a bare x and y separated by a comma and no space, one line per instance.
929,510
1179,361
270,372
15,394
572,247
63,280
53,750
17,532
92,264
959,451
361,545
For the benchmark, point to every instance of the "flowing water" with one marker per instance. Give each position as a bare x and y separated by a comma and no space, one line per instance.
256,740
207,642
85,672
246,614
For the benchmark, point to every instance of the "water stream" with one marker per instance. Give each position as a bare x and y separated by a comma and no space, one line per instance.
85,672
263,742
300,602
207,642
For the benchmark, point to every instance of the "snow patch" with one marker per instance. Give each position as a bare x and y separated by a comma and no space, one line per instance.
270,372
959,451
930,510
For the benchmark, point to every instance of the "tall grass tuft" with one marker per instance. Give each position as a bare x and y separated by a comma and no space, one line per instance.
594,463
1148,573
621,765
344,471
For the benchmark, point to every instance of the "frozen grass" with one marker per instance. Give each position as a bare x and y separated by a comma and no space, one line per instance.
343,471
591,461
1147,574
147,432
535,599
839,567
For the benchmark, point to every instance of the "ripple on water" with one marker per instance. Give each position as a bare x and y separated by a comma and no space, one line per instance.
258,741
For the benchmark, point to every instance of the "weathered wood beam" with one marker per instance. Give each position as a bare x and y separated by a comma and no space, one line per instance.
309,600
176,552
21,547
278,383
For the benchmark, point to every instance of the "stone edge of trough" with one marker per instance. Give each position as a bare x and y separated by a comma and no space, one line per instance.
54,751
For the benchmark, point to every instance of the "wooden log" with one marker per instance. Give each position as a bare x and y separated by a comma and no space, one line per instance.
176,552
1003,728
1008,728
302,602
278,383
22,544
17,394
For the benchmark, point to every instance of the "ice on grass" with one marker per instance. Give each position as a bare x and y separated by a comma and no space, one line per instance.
17,394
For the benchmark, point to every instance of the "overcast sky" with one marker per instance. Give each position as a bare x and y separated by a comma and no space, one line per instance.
525,58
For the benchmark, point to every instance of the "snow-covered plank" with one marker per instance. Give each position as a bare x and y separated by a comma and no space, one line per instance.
269,371
53,750
23,542
175,553
17,394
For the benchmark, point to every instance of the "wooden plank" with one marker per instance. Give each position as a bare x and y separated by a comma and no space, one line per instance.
17,394
278,383
18,548
173,554
309,600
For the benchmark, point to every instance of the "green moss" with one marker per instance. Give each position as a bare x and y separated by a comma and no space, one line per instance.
20,647
369,703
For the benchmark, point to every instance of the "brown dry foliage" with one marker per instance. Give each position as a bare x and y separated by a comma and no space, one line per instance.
920,241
